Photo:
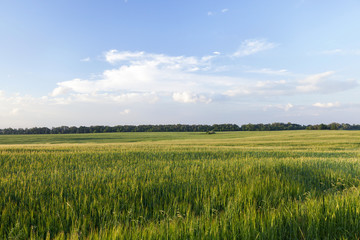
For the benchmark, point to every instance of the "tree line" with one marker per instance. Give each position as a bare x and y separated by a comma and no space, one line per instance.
178,128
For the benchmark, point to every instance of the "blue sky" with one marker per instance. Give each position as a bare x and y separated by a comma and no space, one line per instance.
192,62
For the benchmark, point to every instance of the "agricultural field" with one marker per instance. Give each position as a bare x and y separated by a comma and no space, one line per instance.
230,185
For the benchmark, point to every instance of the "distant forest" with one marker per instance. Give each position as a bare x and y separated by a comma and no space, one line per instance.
178,128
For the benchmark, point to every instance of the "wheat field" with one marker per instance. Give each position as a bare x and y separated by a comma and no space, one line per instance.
230,185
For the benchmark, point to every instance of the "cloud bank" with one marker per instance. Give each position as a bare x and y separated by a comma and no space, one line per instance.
139,76
137,82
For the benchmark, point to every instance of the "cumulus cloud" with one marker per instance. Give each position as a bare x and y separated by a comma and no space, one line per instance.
253,46
113,56
61,90
14,105
136,82
189,64
142,74
147,77
146,81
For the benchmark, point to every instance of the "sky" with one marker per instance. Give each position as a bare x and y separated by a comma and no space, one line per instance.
120,62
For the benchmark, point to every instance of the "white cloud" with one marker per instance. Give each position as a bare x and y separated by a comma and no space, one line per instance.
288,107
267,84
284,107
327,105
61,90
76,85
145,82
269,71
142,74
126,111
261,88
140,77
113,56
159,60
325,82
321,83
339,51
311,83
187,97
106,98
333,51
85,59
14,111
12,106
238,91
252,46
212,13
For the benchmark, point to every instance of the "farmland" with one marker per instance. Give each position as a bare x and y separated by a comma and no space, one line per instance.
230,185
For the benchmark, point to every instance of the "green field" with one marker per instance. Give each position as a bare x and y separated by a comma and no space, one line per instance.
231,185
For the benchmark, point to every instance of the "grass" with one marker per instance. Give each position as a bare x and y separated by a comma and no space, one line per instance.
234,185
104,137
